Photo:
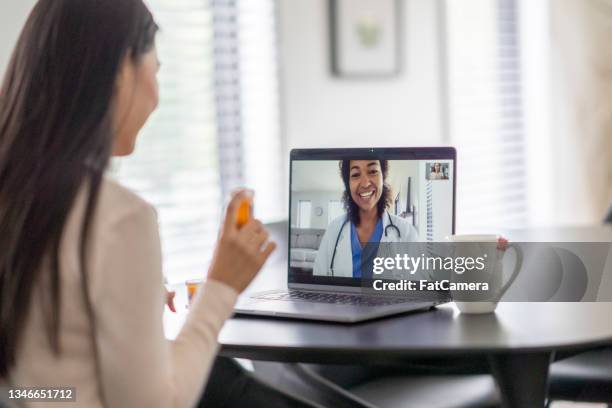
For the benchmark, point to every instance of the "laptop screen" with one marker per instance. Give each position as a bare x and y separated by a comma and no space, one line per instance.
340,199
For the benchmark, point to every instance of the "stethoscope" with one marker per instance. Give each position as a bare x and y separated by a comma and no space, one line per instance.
390,225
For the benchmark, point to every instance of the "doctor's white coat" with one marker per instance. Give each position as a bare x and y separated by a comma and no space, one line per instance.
343,262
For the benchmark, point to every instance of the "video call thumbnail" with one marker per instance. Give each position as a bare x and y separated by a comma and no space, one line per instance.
337,207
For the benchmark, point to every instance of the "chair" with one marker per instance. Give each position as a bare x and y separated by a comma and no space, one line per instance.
586,377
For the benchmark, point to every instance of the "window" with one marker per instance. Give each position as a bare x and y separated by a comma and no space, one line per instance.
304,212
175,164
263,153
216,126
486,112
246,84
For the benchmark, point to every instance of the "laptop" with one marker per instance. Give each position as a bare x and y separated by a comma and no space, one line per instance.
409,193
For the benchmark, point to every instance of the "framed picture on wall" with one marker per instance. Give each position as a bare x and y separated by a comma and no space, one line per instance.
365,37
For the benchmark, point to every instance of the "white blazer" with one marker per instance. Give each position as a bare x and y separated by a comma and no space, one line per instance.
343,261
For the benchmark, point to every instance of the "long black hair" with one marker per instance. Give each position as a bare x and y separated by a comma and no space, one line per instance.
352,210
56,136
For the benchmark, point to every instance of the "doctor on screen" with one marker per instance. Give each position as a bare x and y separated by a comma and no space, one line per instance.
366,198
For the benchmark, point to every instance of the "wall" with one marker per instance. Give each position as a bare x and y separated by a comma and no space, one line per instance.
325,111
12,17
581,95
318,199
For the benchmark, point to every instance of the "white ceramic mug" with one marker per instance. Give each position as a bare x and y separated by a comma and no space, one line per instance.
485,246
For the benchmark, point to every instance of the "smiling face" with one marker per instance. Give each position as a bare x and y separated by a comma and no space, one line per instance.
366,183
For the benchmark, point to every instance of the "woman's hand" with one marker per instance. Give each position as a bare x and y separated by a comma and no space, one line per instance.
240,252
170,299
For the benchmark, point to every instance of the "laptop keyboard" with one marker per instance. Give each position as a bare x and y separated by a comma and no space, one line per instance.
334,298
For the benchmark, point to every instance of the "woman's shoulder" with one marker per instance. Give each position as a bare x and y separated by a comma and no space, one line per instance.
337,222
116,202
118,212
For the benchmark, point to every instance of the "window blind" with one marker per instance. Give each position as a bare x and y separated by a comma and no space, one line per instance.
227,93
248,102
263,153
486,112
175,165
216,128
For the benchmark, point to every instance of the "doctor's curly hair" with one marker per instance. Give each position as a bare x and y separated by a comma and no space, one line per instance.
352,210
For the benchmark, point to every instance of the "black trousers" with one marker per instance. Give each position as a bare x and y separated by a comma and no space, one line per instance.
230,385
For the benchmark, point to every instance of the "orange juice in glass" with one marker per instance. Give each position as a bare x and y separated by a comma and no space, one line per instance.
244,213
192,288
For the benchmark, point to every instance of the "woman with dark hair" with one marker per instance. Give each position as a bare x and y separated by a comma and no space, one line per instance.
366,198
81,294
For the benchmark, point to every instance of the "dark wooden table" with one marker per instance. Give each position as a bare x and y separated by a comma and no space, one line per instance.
519,340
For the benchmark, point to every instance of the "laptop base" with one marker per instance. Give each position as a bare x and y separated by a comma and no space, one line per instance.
330,312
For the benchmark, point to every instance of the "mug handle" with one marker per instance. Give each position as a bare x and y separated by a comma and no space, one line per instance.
515,272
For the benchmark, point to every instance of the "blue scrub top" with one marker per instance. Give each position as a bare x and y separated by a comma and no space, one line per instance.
358,251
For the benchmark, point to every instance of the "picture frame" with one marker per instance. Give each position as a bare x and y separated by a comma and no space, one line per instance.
365,38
